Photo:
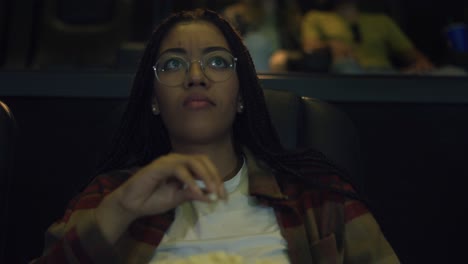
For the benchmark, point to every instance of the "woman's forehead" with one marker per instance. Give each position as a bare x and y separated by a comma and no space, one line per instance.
193,37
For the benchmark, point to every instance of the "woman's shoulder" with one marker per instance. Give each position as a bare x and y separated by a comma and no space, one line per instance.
309,175
111,179
318,184
326,193
100,186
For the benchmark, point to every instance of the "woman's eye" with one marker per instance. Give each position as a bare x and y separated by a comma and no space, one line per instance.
218,62
173,64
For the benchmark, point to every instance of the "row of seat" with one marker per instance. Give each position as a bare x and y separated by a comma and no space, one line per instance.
88,34
64,33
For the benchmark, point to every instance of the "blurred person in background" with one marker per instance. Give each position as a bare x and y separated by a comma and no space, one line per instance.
270,29
360,42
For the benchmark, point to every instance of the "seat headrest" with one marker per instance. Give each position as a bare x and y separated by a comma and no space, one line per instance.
283,107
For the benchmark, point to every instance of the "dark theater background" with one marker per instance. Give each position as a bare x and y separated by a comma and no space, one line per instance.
66,67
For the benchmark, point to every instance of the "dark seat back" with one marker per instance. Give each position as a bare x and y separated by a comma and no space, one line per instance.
326,128
7,141
82,34
314,123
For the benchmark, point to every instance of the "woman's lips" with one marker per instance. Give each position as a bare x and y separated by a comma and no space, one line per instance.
196,102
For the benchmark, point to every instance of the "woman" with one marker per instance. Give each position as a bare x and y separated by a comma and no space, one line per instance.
197,168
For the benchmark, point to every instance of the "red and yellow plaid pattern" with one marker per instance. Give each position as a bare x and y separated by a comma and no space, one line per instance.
320,226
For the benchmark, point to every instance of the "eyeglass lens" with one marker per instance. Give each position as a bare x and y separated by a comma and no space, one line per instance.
171,69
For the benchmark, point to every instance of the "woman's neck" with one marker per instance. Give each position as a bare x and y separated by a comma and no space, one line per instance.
222,154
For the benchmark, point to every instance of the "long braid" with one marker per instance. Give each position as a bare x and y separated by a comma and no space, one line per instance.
139,139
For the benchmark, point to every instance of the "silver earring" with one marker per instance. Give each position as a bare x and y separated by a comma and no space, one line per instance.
240,108
155,109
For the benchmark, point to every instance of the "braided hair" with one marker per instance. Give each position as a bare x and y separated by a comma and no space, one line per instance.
142,136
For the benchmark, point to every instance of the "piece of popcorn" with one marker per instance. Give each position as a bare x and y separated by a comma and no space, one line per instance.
214,258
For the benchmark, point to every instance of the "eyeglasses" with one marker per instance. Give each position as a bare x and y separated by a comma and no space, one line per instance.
217,66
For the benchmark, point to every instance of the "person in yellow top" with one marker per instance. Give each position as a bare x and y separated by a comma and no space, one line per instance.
359,41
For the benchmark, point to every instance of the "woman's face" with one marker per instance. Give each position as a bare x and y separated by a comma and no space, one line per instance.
200,106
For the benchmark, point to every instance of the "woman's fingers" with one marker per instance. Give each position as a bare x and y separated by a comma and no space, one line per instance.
158,187
183,174
218,178
169,181
186,194
204,170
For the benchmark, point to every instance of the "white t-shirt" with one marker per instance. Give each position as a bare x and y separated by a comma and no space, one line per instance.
239,226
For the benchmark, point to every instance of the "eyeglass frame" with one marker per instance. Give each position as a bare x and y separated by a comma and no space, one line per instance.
188,65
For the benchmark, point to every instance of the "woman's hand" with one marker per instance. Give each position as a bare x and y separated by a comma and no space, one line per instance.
419,67
419,63
156,188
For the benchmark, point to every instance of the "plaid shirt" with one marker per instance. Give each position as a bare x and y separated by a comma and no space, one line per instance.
320,226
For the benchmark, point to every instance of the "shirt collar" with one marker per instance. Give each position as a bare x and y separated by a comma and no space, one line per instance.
262,181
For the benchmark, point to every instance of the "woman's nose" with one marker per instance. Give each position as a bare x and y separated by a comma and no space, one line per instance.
195,74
